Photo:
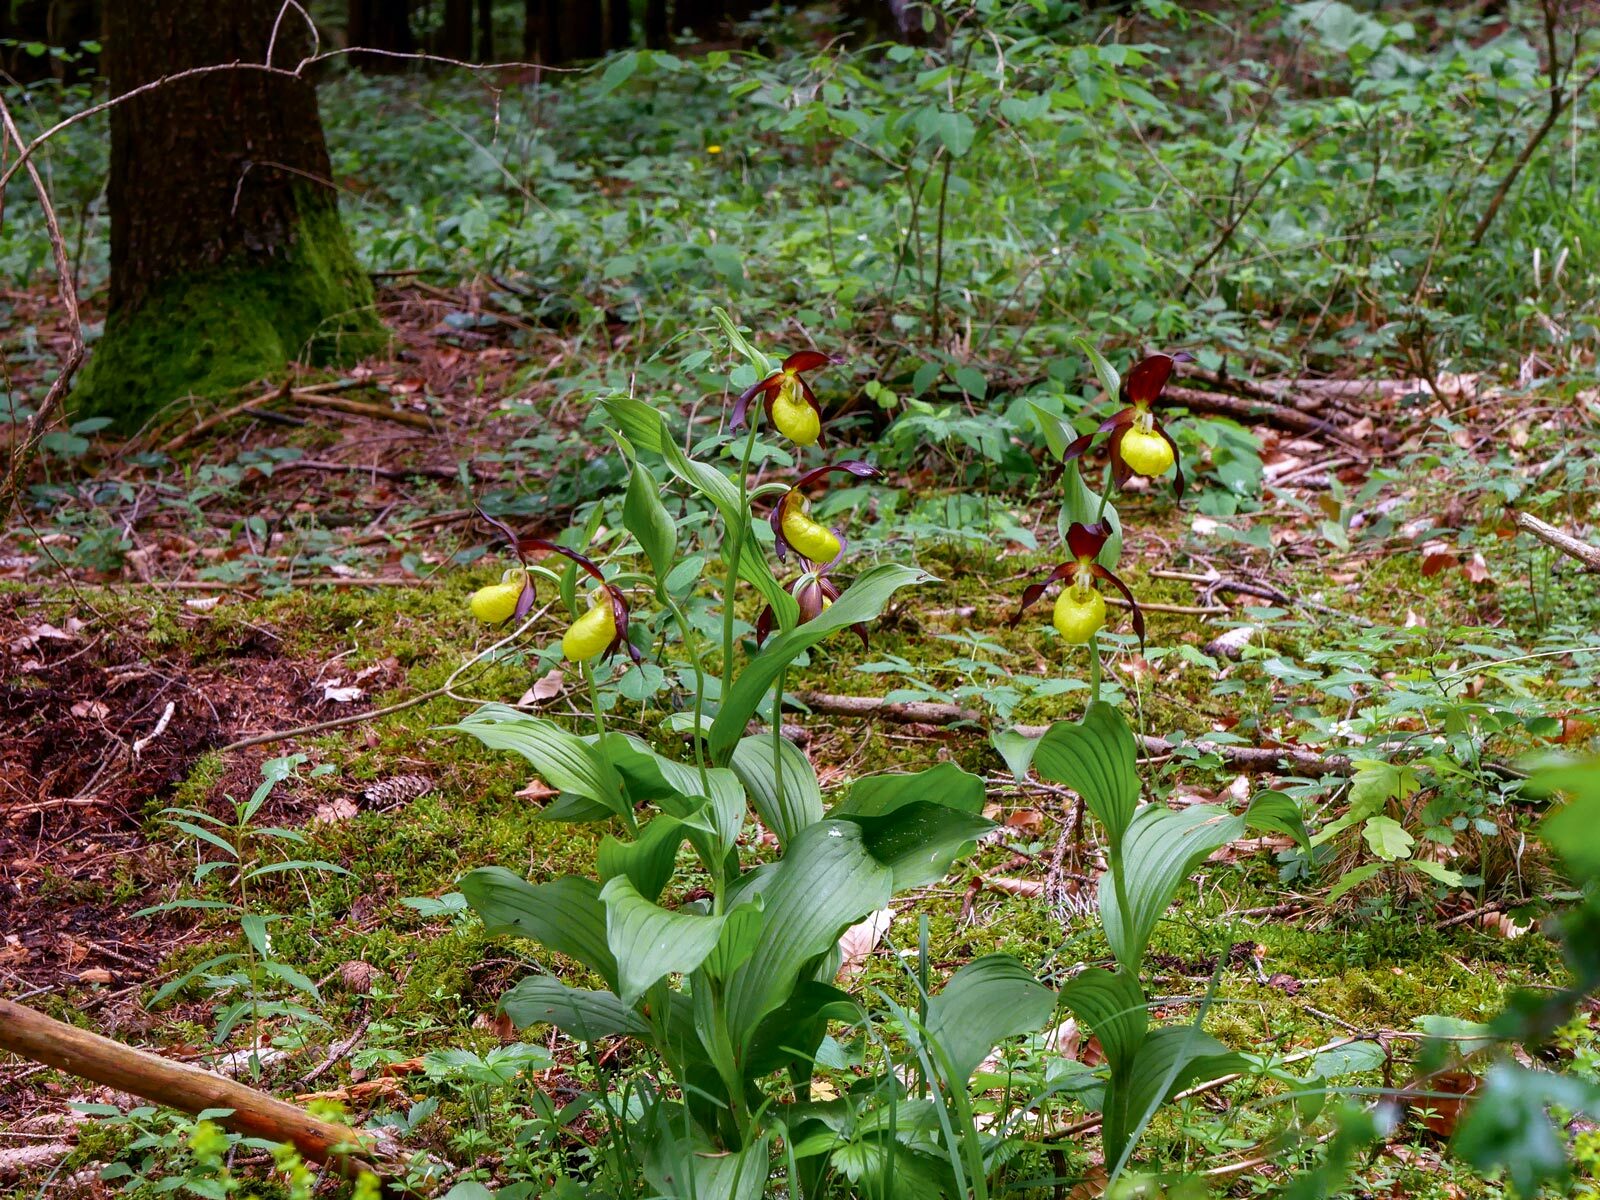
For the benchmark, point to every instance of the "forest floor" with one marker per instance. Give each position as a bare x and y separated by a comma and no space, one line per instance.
302,563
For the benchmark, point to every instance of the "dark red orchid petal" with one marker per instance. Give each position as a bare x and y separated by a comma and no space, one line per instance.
525,599
619,616
1118,420
1086,541
1177,462
861,631
779,542
764,626
537,543
766,387
1133,605
806,360
1077,446
808,597
499,527
1033,591
861,470
1143,383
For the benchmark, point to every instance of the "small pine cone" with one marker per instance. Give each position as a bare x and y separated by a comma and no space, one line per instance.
358,977
397,789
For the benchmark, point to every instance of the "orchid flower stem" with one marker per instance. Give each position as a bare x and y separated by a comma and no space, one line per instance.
1094,668
737,531
1105,498
691,645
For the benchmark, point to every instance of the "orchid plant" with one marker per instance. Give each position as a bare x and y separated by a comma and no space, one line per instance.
733,988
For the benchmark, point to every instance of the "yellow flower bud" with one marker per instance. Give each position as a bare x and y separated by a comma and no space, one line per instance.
1079,614
793,416
1146,453
808,539
495,604
591,633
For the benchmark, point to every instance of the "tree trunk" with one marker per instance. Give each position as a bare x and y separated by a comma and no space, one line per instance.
455,35
380,25
51,24
656,33
486,31
619,25
227,256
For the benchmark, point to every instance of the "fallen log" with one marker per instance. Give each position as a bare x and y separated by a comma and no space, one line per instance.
185,1087
927,712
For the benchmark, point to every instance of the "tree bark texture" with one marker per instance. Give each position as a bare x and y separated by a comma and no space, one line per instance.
227,256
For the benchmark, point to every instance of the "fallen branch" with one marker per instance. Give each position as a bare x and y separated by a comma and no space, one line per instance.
1588,555
187,1088
358,408
1257,412
927,712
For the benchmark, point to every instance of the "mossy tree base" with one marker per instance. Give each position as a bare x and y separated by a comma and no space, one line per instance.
210,332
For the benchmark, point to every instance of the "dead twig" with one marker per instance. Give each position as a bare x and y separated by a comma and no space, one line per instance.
1558,539
923,712
27,446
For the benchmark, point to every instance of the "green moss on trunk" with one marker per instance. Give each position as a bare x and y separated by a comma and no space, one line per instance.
208,332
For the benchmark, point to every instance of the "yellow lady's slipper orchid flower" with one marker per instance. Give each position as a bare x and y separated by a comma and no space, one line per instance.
497,603
603,629
790,403
1138,445
1079,614
793,528
1080,610
591,634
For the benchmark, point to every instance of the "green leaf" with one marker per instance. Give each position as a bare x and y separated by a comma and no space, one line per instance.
880,795
644,516
1372,786
986,1001
564,915
1110,380
1388,838
1017,749
1436,871
1161,847
1112,1005
1097,760
648,860
825,882
1352,879
862,601
1274,812
741,933
1169,1060
1572,829
618,71
650,942
679,1170
1509,1125
205,835
563,760
801,802
585,1015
